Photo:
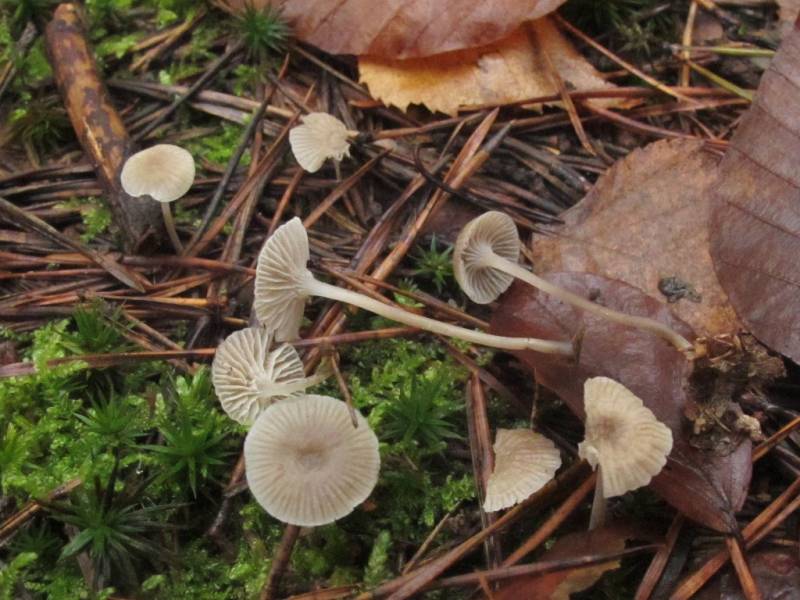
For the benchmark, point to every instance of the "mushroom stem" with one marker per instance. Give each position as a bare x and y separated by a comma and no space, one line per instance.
169,225
269,389
598,515
314,287
491,259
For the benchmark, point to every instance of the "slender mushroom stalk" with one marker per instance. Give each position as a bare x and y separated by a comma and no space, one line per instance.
248,377
485,262
624,441
165,173
283,283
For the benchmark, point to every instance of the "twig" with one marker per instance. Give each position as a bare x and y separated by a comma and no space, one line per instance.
280,562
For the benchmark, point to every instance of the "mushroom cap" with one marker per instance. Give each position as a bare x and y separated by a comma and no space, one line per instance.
244,368
164,172
524,462
320,137
622,436
494,231
305,462
279,298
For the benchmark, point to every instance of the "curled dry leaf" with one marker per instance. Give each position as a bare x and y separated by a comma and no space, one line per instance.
645,222
512,69
403,29
708,486
755,226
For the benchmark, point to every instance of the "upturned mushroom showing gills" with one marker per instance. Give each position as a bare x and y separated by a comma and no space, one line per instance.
306,464
524,462
248,377
164,173
283,283
624,441
320,137
486,261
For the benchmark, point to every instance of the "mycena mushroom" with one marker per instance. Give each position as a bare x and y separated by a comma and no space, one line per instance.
306,464
283,283
524,462
624,441
320,137
486,261
165,173
248,376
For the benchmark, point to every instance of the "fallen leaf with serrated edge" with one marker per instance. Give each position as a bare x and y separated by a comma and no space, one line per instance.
510,70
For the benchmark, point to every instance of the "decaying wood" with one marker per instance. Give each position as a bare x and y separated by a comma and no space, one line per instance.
97,124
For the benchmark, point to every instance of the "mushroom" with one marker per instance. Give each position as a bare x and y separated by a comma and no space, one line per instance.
624,441
248,377
306,464
283,283
485,262
320,137
165,173
524,462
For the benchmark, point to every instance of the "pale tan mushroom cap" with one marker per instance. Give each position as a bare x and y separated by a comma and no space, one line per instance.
279,300
244,369
164,172
320,137
622,436
495,231
305,462
524,462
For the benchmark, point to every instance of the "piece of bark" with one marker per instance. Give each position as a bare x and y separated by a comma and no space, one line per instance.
97,125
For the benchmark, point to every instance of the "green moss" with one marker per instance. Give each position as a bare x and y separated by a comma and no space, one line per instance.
219,148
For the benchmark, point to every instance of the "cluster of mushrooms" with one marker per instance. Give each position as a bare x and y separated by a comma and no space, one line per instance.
310,459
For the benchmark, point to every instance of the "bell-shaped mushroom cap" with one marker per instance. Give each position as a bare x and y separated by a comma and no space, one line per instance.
320,137
279,301
523,462
305,462
622,436
244,370
164,172
493,231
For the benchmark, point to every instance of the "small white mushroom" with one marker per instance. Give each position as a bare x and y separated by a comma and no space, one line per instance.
320,137
485,262
524,461
306,464
283,283
248,377
164,173
624,441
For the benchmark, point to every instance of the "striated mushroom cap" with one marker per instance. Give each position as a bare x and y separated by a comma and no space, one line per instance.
622,436
164,172
493,231
279,300
320,137
305,462
245,372
524,462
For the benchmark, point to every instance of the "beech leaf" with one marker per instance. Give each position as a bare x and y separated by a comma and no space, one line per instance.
645,222
755,228
403,28
510,70
708,486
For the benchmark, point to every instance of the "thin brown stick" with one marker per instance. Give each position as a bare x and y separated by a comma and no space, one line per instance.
749,586
280,562
659,562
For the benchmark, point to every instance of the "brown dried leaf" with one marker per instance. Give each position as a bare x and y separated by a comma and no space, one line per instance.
707,486
510,70
646,220
561,584
403,29
755,232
